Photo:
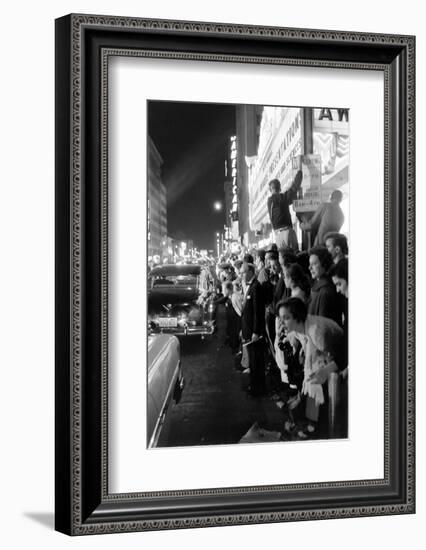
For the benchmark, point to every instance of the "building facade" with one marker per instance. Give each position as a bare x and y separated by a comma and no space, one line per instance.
157,204
331,141
248,124
280,139
273,143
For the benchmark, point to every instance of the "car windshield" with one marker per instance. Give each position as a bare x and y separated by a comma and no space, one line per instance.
174,280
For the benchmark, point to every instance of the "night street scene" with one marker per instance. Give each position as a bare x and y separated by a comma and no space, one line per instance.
247,273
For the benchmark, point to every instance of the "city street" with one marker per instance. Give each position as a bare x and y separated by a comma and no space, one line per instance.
214,408
231,191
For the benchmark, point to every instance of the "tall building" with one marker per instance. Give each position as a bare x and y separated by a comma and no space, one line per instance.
157,203
248,121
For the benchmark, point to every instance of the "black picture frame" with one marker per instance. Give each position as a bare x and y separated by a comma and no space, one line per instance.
83,44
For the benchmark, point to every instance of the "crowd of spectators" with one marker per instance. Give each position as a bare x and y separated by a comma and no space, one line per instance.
287,326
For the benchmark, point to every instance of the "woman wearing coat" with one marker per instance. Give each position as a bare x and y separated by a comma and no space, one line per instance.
324,300
299,285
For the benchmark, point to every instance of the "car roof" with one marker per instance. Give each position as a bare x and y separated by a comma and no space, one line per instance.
173,269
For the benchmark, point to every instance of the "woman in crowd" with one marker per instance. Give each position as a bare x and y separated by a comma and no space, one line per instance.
274,274
302,258
339,275
227,273
285,258
296,280
297,283
321,344
248,258
237,267
262,273
323,301
237,297
237,300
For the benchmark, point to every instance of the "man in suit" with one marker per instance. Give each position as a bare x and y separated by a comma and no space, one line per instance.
253,328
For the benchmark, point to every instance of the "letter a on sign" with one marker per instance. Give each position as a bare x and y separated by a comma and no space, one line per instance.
325,113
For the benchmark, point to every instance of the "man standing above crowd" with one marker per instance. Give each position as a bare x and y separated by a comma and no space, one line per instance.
279,212
327,218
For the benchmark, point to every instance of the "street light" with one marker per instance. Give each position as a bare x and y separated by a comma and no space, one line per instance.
217,205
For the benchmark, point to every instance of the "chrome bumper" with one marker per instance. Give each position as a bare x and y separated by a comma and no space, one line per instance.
206,330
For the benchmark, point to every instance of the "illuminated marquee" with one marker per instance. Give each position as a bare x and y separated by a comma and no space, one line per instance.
234,207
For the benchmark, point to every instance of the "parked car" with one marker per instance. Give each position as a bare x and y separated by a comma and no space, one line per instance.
165,382
180,300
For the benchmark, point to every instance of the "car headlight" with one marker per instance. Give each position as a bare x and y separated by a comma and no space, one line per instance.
182,320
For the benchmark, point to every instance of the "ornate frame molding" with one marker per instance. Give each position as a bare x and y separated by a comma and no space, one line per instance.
73,503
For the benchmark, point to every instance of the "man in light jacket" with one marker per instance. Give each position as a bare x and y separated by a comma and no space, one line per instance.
328,218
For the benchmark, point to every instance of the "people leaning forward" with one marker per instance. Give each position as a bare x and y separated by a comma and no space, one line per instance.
320,341
287,326
279,212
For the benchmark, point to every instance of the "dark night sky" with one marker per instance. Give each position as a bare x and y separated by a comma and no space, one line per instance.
193,140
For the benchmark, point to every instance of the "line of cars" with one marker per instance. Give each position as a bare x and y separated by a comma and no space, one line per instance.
180,303
180,300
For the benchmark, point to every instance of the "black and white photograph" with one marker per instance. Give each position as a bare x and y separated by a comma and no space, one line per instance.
186,187
215,183
247,273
